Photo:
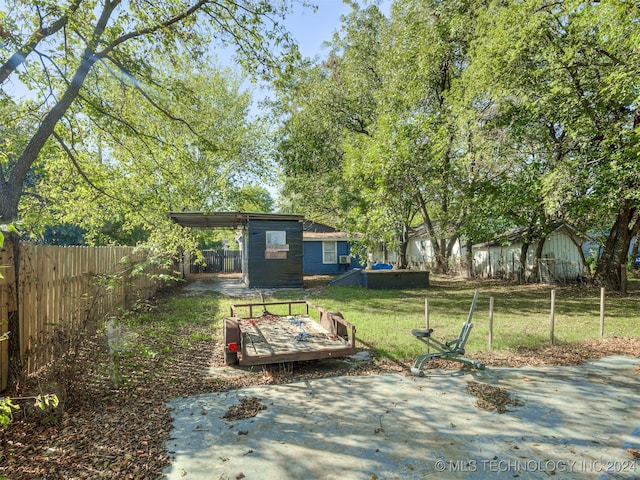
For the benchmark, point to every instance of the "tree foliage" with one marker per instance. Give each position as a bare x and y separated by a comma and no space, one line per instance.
125,197
563,80
124,118
328,108
475,116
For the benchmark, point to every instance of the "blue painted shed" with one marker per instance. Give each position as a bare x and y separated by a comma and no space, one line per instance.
271,244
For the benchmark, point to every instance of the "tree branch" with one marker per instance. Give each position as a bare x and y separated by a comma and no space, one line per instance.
157,106
82,173
19,57
147,31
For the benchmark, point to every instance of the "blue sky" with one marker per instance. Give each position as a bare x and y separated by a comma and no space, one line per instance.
312,29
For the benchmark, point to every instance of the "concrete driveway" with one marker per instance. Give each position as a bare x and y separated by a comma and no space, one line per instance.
573,422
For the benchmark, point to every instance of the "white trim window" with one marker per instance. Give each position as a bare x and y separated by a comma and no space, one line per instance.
329,252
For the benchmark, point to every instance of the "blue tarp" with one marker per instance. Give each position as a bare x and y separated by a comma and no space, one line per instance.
381,266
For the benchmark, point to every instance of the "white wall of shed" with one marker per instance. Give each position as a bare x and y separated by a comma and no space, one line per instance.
560,255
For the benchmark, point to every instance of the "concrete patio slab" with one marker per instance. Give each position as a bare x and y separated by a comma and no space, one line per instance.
574,422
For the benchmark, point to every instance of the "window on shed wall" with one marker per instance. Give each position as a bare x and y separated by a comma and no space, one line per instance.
275,237
329,252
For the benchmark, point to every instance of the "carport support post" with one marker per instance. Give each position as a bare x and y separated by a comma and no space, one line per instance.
490,323
602,313
553,313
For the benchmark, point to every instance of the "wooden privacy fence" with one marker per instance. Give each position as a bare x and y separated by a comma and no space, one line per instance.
62,289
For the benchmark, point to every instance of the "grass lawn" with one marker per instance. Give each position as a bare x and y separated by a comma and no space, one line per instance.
521,318
114,422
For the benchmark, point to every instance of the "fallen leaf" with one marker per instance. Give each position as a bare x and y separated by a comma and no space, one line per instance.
633,453
490,397
248,407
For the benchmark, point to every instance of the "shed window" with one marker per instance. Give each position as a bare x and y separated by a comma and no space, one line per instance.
275,237
329,252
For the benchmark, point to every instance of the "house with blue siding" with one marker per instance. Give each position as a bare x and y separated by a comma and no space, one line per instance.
326,251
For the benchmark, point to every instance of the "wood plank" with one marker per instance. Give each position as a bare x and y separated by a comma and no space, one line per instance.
4,320
297,356
57,290
73,286
274,339
47,295
27,308
38,321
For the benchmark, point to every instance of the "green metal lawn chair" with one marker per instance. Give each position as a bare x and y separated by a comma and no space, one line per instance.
451,350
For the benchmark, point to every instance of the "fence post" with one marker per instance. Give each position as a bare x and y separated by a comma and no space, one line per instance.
553,313
602,313
426,312
10,358
4,320
426,317
490,323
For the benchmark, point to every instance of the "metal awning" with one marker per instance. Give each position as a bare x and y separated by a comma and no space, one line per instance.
226,219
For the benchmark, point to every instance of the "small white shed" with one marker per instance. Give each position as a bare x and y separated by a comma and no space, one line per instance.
560,261
421,254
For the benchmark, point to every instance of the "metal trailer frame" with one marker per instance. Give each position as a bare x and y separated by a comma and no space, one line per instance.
268,338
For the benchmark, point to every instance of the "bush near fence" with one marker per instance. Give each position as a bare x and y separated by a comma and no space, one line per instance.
60,291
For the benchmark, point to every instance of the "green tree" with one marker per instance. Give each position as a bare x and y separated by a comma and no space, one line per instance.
253,198
569,71
67,43
308,146
134,165
327,107
416,154
371,130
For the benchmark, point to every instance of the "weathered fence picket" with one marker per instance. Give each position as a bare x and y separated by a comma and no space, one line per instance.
61,289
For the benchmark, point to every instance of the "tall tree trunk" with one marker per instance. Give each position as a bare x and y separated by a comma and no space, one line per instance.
11,191
9,199
450,244
522,263
442,257
537,256
426,218
612,264
401,262
469,255
585,268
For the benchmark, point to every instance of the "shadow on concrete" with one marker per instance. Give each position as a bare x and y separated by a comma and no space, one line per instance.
575,422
